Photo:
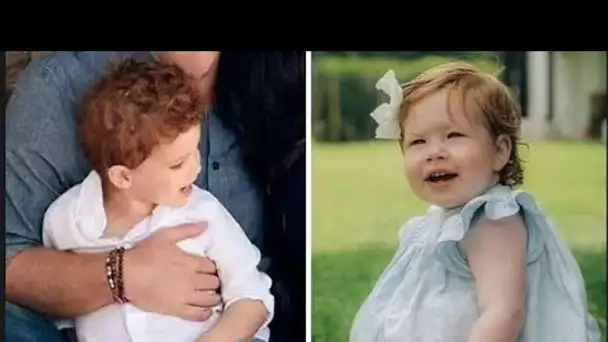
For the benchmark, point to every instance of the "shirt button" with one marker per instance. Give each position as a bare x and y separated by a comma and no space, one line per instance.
215,165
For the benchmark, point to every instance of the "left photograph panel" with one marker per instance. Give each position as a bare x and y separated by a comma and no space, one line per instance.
155,196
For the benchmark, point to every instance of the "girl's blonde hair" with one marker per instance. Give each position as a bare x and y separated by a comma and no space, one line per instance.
494,105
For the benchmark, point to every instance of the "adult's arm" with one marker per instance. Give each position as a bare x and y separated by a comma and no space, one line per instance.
43,159
48,281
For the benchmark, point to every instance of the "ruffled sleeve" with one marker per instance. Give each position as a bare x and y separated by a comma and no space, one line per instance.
497,203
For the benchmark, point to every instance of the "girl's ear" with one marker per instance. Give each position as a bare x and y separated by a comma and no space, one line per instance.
503,149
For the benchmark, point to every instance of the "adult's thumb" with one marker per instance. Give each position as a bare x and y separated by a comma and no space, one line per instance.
184,231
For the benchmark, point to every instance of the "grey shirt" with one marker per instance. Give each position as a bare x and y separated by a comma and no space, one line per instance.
44,157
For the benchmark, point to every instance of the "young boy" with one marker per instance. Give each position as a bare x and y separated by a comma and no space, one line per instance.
140,132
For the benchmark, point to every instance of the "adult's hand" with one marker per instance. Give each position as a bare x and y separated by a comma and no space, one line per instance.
160,277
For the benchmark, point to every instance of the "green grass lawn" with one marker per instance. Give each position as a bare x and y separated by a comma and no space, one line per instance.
360,199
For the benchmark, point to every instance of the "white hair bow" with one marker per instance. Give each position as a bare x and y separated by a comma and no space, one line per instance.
386,114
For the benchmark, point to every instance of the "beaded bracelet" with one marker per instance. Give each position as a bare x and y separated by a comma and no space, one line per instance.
114,273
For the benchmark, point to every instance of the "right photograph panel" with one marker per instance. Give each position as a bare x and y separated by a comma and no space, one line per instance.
459,196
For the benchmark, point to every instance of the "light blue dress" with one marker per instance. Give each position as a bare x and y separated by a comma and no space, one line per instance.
427,294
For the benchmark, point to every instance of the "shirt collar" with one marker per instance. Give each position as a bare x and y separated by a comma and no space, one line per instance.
90,212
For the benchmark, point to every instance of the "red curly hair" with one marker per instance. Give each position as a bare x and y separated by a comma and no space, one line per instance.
134,108
493,103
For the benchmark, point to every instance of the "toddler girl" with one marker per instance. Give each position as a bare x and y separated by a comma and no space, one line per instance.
483,264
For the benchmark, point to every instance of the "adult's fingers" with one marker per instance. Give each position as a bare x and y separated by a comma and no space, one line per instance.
183,231
195,313
206,282
204,299
200,264
206,266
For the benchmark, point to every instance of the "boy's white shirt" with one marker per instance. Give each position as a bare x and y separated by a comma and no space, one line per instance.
76,221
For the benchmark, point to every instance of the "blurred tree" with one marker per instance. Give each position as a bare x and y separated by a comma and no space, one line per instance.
344,92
